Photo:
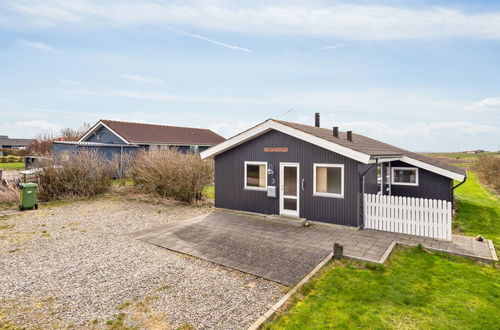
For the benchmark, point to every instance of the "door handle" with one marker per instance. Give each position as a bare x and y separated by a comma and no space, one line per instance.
302,184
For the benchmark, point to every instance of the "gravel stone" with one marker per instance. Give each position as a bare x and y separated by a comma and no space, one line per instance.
74,265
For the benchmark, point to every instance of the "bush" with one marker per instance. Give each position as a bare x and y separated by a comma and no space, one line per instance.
488,171
85,174
9,193
172,174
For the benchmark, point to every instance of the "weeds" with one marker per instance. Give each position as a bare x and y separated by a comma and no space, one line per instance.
85,174
169,173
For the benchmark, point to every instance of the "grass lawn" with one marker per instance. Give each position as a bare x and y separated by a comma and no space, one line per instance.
209,192
11,166
478,210
415,289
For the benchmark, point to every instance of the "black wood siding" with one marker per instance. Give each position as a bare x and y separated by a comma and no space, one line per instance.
229,179
430,185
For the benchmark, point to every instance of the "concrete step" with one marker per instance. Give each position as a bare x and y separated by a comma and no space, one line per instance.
286,220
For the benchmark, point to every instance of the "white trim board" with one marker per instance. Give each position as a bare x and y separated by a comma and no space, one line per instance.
245,186
282,195
395,168
327,194
97,126
270,125
433,168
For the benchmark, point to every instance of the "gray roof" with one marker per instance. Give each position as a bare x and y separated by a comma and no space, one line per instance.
5,140
368,146
96,144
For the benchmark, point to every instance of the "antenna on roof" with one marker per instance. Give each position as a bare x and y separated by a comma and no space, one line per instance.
286,113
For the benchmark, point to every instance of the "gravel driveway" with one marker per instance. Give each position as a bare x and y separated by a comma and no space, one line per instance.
74,265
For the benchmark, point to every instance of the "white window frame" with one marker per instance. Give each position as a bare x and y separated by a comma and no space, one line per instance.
245,176
404,183
322,194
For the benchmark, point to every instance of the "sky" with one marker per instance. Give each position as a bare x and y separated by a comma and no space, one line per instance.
423,75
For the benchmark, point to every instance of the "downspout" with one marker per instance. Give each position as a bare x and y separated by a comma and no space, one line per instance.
362,176
453,190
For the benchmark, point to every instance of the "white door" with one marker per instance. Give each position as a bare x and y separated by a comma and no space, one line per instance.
289,189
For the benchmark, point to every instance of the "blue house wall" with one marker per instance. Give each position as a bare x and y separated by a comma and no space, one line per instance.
104,135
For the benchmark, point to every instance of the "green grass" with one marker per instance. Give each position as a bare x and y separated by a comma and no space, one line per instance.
478,210
416,290
11,166
209,192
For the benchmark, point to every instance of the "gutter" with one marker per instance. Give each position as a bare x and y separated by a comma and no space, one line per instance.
461,183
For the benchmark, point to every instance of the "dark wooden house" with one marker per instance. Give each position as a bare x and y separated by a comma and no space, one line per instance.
320,174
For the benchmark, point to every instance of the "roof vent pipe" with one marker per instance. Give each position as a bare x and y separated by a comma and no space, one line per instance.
336,131
349,135
316,119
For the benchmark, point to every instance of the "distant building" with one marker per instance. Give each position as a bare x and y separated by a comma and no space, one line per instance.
9,143
111,138
474,151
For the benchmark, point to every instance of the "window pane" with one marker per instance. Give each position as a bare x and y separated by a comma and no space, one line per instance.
256,175
329,180
290,204
405,176
290,178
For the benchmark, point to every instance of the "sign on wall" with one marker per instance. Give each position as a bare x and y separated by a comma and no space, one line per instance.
276,149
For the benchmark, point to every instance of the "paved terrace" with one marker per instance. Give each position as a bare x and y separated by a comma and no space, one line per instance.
284,253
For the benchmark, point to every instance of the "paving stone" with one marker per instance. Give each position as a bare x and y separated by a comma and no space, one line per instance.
284,253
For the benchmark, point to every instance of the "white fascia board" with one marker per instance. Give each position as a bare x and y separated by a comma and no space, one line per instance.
90,131
98,125
384,159
433,168
269,125
236,140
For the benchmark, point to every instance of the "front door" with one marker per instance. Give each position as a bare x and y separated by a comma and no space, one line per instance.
289,189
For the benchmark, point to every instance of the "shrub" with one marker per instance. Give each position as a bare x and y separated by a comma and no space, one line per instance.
85,174
172,174
9,193
488,171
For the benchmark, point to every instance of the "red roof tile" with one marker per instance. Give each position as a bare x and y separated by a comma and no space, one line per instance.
162,134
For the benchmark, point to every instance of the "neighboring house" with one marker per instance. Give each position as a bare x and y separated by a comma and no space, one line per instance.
8,143
279,167
116,137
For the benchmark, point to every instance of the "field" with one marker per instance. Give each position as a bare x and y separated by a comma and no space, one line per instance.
415,289
460,159
12,166
478,210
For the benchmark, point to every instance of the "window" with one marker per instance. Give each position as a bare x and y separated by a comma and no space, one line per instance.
328,180
407,176
256,175
194,150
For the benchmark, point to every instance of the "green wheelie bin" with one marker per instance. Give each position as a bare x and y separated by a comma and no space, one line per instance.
28,196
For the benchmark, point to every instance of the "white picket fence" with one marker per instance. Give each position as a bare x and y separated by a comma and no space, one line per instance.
407,215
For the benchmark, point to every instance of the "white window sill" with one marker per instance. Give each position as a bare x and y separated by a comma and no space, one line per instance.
255,188
404,184
328,195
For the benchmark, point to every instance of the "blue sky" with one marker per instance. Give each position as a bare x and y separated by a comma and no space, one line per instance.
423,75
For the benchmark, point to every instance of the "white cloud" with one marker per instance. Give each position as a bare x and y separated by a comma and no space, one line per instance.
36,45
491,103
331,47
197,36
141,79
229,129
69,82
28,129
345,21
